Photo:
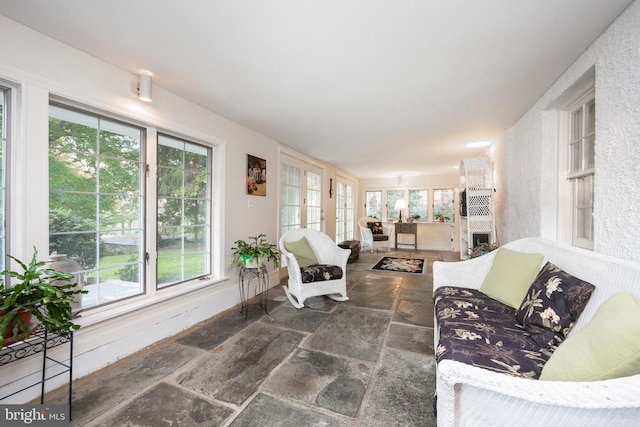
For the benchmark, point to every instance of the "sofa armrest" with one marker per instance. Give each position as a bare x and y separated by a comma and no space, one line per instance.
466,274
468,394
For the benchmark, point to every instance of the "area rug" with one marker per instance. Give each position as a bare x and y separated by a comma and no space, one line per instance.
402,265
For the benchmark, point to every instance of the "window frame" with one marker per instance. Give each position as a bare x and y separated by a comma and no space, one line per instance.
410,213
183,198
217,269
6,96
453,205
569,176
373,213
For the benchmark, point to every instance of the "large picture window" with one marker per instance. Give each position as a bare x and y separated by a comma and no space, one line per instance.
97,205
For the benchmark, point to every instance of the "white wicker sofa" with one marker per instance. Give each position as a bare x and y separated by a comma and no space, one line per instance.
473,396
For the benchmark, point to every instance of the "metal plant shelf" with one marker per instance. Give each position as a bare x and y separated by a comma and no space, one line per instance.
40,341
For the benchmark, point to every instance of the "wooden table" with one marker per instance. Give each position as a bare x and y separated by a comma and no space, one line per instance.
407,228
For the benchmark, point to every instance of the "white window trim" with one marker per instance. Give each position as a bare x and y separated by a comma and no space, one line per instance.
152,295
566,226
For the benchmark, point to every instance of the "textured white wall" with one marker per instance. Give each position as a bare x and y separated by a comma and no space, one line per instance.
526,156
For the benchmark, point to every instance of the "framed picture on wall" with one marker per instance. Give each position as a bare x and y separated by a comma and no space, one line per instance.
256,176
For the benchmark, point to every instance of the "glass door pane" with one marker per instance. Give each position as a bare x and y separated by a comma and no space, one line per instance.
291,202
314,201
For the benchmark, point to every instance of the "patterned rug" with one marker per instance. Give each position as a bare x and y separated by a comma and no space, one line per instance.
402,265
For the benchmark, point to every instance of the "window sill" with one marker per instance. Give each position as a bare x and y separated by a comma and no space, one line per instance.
100,314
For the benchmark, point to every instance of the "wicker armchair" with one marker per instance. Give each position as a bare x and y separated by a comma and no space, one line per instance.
374,241
301,284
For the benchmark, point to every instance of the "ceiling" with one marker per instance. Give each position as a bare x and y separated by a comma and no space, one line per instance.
378,88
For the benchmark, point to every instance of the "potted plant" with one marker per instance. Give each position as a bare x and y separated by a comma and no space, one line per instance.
481,249
42,292
254,253
415,217
442,217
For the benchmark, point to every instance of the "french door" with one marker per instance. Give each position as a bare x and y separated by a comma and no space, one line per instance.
301,195
345,213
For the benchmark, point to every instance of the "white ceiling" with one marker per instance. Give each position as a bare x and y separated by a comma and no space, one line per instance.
375,87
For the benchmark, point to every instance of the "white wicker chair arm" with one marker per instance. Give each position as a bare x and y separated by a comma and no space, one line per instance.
292,265
467,274
335,255
367,236
386,230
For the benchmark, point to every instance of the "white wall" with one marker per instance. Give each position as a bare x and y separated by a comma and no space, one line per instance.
431,236
527,164
38,67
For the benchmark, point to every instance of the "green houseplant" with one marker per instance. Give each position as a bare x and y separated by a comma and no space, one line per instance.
39,291
442,217
257,249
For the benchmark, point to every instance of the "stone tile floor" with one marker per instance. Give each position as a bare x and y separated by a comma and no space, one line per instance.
364,362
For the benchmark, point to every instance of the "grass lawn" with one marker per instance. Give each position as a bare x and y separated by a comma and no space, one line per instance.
169,265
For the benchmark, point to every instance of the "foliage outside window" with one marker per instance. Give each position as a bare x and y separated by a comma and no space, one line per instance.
393,196
95,202
373,200
97,205
443,205
184,179
418,205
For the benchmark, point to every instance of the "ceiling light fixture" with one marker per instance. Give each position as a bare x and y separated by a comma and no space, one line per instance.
478,144
144,86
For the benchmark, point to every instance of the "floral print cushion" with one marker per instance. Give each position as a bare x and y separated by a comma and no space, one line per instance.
480,331
552,305
376,227
320,272
380,237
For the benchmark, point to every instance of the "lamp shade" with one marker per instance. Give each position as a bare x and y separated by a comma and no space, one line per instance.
400,204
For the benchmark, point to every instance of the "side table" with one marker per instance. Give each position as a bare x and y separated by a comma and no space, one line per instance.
245,276
407,228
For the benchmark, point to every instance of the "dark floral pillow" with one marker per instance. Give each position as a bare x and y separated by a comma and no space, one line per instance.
552,305
320,272
376,227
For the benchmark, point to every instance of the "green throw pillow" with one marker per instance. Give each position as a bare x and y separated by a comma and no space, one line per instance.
302,251
510,276
607,347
